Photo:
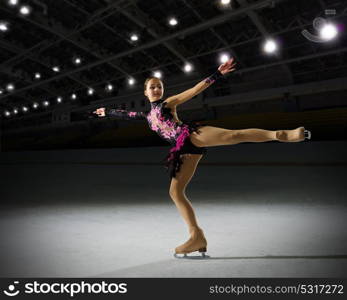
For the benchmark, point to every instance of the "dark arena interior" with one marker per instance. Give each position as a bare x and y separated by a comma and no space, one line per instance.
89,196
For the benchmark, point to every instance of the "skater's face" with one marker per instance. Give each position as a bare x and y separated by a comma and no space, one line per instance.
154,89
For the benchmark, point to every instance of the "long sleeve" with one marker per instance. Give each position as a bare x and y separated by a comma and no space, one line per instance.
124,114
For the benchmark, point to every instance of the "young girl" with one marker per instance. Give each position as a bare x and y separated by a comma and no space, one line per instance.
189,142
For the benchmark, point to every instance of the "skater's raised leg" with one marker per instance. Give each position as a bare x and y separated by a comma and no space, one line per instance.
214,136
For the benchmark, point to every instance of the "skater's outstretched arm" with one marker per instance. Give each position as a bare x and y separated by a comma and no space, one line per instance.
178,99
120,113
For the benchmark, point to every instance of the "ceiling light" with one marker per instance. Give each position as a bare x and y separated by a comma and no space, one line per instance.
224,57
109,87
3,26
77,60
73,96
56,69
173,22
25,10
131,81
328,32
37,75
270,46
157,74
10,87
90,91
13,2
188,67
134,37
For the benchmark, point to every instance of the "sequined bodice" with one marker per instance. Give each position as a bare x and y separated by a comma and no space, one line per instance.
162,121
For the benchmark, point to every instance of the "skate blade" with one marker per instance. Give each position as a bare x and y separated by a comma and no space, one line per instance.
185,256
307,134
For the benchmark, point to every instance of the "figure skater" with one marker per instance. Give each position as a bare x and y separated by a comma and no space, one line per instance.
189,141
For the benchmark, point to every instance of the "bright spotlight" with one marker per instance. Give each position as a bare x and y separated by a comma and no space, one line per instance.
25,108
90,91
45,103
109,87
7,113
223,58
131,81
328,32
37,75
270,46
77,60
13,2
134,37
188,68
157,74
225,2
3,26
10,87
73,96
25,10
35,105
15,111
59,99
173,21
56,69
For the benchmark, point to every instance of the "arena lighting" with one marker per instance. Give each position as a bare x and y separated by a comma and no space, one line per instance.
35,105
225,2
328,32
25,10
157,74
15,111
173,21
77,60
13,2
3,26
45,103
131,81
37,75
56,69
270,46
224,57
90,91
73,96
10,87
25,108
1,91
7,113
134,37
188,67
109,87
59,99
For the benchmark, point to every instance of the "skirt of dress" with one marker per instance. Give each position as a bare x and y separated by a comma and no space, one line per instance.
173,160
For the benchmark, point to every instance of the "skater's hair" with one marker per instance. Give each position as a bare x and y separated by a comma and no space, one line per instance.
149,78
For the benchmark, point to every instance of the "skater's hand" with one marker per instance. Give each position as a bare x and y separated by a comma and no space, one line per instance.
100,112
227,67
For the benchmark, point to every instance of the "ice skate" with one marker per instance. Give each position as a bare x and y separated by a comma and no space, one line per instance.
197,242
292,136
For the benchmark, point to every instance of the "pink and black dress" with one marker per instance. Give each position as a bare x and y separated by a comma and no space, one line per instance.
161,121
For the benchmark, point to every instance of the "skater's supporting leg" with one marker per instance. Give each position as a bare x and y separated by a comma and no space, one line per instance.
178,186
214,136
197,240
